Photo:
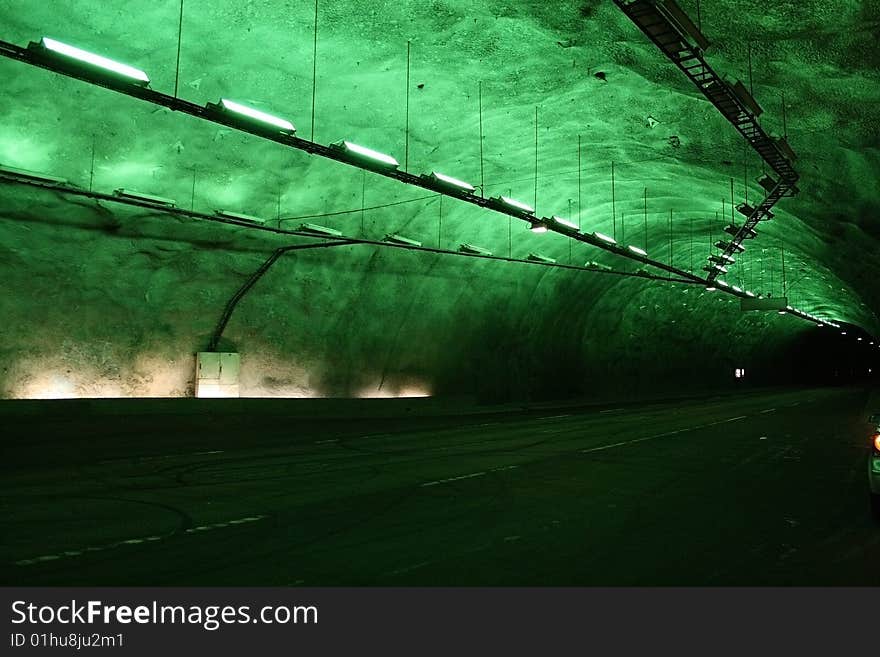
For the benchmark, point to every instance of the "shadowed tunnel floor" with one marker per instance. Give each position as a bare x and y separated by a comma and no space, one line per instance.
765,488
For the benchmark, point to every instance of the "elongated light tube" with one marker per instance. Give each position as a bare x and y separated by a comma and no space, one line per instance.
537,257
140,196
316,229
604,237
70,52
363,152
228,214
476,250
32,175
513,203
565,222
257,115
394,238
637,250
451,182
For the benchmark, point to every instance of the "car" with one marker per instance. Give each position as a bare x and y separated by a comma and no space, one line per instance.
874,467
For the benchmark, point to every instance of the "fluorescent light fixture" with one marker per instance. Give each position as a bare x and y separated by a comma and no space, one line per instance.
513,203
256,115
604,237
736,289
81,56
565,222
637,250
140,196
474,250
451,182
537,257
400,239
782,312
711,288
721,259
721,269
239,217
539,227
315,229
31,175
364,153
843,332
750,294
722,283
789,308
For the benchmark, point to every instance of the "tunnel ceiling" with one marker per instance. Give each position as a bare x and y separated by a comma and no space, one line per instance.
590,72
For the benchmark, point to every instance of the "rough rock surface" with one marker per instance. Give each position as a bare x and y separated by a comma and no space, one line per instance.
104,300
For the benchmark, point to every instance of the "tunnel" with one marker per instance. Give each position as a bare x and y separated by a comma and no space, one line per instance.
335,293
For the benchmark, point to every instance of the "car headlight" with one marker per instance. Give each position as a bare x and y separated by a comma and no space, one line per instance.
877,442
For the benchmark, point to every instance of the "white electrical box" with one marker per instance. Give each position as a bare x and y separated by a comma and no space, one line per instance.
217,374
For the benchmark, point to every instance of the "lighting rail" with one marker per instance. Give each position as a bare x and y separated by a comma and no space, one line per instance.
344,152
132,82
244,221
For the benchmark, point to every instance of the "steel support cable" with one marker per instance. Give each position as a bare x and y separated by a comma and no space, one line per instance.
256,276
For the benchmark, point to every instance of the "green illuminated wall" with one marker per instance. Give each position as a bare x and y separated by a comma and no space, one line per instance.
106,300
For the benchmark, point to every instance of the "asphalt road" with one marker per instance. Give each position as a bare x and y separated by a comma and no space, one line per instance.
761,489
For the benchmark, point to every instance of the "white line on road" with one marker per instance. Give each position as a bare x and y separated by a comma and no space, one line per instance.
554,417
732,419
659,435
445,481
132,541
768,410
613,410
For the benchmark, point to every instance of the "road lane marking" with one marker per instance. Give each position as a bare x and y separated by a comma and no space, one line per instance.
446,481
612,410
554,417
768,410
329,440
406,569
132,541
659,435
732,419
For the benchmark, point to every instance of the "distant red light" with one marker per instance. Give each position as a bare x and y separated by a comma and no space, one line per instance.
877,442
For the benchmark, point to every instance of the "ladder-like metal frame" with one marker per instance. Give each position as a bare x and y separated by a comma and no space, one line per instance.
669,27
